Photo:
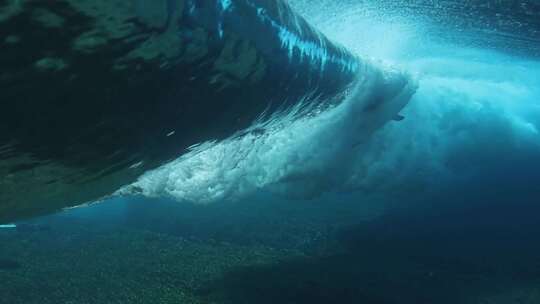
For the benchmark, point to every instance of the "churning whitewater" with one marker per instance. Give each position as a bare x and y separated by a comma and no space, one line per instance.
470,106
299,151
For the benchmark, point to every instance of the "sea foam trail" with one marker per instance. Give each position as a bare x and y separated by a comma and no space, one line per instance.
299,156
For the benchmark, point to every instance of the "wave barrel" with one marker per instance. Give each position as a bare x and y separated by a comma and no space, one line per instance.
96,92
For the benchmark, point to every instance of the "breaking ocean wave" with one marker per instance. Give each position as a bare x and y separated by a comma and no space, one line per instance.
470,114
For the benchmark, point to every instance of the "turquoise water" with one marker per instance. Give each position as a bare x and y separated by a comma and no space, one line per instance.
438,207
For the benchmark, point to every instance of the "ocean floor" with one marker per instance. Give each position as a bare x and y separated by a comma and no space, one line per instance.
132,256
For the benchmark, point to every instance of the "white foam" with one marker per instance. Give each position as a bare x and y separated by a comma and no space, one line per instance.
299,155
476,110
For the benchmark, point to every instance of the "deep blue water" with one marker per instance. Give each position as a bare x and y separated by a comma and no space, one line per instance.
441,207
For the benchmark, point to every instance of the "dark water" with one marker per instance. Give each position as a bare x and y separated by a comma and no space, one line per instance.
442,207
275,251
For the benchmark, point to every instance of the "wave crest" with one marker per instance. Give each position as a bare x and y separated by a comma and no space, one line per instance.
289,154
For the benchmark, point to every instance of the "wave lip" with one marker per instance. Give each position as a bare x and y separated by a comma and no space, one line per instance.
123,89
296,155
